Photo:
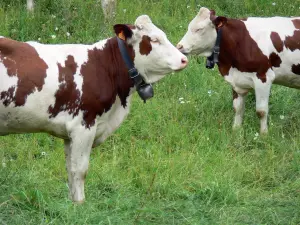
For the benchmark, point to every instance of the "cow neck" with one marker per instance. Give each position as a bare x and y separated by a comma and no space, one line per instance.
214,57
144,90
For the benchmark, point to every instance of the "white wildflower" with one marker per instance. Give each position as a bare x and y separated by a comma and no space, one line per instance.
180,99
256,136
124,10
274,3
3,164
53,16
209,92
53,36
188,6
182,102
43,153
68,34
39,39
282,135
56,28
281,117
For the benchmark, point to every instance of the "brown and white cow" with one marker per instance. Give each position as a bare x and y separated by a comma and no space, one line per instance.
254,53
80,93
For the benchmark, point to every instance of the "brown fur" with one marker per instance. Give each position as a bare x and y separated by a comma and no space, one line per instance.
277,42
292,42
23,61
296,69
145,45
275,60
67,97
105,77
249,58
296,23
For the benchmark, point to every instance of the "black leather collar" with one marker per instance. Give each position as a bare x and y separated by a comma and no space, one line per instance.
214,57
144,90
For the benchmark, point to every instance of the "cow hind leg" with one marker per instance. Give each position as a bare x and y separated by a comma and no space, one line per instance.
77,152
262,93
239,108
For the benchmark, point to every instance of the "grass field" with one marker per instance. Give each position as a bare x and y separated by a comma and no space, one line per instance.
170,162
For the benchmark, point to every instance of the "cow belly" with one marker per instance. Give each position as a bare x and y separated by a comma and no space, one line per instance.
292,81
19,120
241,82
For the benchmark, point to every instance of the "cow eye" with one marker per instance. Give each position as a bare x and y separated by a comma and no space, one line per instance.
199,29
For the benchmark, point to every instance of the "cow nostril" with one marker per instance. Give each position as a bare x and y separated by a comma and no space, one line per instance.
184,60
179,46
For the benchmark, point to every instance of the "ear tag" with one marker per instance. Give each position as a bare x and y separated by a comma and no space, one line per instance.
121,36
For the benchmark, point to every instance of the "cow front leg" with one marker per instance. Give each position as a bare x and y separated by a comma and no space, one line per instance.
262,93
77,151
239,108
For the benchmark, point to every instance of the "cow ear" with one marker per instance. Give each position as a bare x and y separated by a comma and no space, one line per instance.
219,21
123,31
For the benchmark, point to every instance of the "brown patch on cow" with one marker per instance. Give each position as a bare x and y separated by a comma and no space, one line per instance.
145,45
67,97
105,77
260,114
296,69
293,42
296,23
275,60
7,96
240,51
277,42
23,61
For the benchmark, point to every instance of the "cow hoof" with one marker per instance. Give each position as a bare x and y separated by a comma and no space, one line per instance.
263,132
79,202
237,127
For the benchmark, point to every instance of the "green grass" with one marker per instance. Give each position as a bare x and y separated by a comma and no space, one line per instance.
169,163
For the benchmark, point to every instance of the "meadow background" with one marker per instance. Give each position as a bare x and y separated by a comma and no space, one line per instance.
172,161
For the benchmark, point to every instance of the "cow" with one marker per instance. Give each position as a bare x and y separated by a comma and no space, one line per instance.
251,53
108,7
81,93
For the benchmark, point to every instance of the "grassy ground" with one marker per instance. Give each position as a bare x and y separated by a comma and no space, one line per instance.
169,163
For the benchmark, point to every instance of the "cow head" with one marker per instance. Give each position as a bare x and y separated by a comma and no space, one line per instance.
202,33
155,56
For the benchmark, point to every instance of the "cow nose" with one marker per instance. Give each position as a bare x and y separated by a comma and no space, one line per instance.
179,46
184,62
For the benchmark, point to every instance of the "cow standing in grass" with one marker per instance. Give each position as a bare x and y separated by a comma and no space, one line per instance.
80,93
108,6
254,53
